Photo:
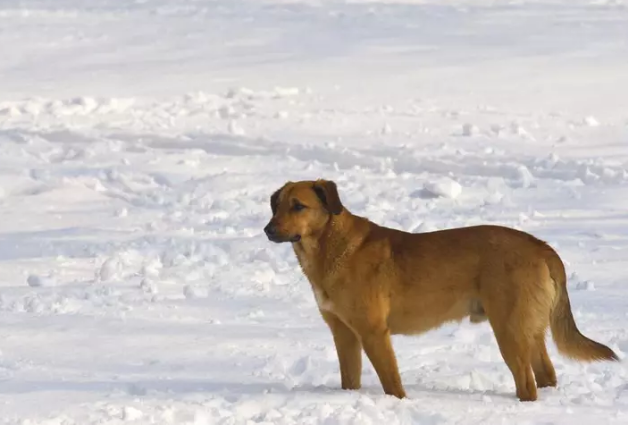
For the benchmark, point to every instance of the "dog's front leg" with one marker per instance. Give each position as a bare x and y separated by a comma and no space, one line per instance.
378,347
349,351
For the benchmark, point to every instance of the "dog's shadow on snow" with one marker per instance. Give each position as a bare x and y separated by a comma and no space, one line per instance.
158,387
141,387
233,391
414,391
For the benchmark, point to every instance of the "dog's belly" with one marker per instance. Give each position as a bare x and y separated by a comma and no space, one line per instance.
409,318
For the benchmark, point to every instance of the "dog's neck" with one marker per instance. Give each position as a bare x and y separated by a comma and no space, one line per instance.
319,254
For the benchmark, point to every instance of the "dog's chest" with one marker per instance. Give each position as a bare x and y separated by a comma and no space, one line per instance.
315,274
322,299
312,268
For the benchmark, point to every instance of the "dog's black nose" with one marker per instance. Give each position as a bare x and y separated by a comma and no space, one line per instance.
270,229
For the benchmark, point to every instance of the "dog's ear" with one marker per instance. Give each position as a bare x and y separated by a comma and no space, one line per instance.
274,198
327,192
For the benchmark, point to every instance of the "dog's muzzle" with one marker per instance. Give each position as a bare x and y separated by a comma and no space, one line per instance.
270,230
274,236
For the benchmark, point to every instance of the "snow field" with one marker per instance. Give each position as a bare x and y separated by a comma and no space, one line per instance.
139,145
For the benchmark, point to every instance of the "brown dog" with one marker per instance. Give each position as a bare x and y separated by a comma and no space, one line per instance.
371,281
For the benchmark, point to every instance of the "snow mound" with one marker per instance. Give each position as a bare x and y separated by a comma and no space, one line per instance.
444,188
37,281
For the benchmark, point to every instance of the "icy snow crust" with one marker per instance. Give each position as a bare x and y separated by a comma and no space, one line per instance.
140,142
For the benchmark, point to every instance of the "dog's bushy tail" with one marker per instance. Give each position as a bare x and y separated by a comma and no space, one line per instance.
569,341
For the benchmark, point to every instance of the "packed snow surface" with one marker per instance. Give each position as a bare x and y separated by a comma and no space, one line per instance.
140,142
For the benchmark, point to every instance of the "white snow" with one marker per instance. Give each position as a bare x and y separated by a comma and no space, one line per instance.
470,130
38,281
444,187
140,142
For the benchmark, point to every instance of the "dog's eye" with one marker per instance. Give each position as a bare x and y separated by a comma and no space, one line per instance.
298,207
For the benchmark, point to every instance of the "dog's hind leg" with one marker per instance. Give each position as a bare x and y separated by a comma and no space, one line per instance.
511,326
516,351
541,364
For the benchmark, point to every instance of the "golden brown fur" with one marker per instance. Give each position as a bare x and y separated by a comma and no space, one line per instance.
371,282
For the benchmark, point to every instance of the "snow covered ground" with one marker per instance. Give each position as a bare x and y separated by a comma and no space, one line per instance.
140,142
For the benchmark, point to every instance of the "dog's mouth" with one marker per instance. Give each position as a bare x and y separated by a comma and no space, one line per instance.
282,239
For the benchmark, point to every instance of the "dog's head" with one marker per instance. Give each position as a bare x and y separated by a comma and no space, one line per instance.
302,209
